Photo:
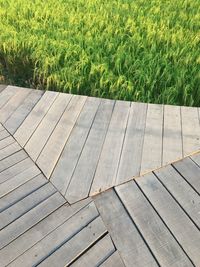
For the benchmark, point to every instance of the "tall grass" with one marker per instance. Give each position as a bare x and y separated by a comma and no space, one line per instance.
122,49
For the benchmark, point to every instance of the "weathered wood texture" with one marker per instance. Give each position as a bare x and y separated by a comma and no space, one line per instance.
173,214
95,143
123,231
2,87
172,135
154,231
37,226
151,221
190,130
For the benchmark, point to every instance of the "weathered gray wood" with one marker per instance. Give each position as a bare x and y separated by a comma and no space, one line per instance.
153,139
190,171
18,180
133,143
84,172
21,207
76,245
39,138
1,128
2,87
182,191
38,232
51,152
6,142
113,260
4,134
12,160
196,159
124,234
19,115
7,93
81,204
15,170
161,242
62,234
9,150
72,150
191,130
22,191
13,103
96,254
28,220
185,232
106,171
34,118
199,114
172,135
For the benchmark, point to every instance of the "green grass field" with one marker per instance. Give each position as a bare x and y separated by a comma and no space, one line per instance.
122,49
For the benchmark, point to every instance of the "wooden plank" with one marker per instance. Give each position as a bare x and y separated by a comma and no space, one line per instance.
182,191
39,138
2,87
9,150
106,171
69,251
65,167
34,118
124,234
133,143
190,171
21,207
190,129
7,93
21,192
180,225
13,103
84,172
20,114
199,114
96,254
196,159
38,232
158,237
6,142
18,180
28,220
15,170
51,152
54,240
12,160
81,204
113,260
153,139
172,135
4,134
1,128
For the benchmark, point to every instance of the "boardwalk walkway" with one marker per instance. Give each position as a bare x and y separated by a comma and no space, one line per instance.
59,151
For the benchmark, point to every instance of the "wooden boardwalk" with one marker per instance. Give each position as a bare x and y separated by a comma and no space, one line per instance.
59,151
93,142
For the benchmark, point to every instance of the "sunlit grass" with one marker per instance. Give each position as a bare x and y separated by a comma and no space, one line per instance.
134,50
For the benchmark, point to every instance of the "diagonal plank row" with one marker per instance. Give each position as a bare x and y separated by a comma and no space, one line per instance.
37,225
96,143
154,220
67,236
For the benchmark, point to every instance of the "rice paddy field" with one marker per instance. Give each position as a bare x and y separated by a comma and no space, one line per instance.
137,50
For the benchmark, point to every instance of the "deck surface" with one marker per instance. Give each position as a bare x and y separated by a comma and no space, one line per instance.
59,152
120,140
